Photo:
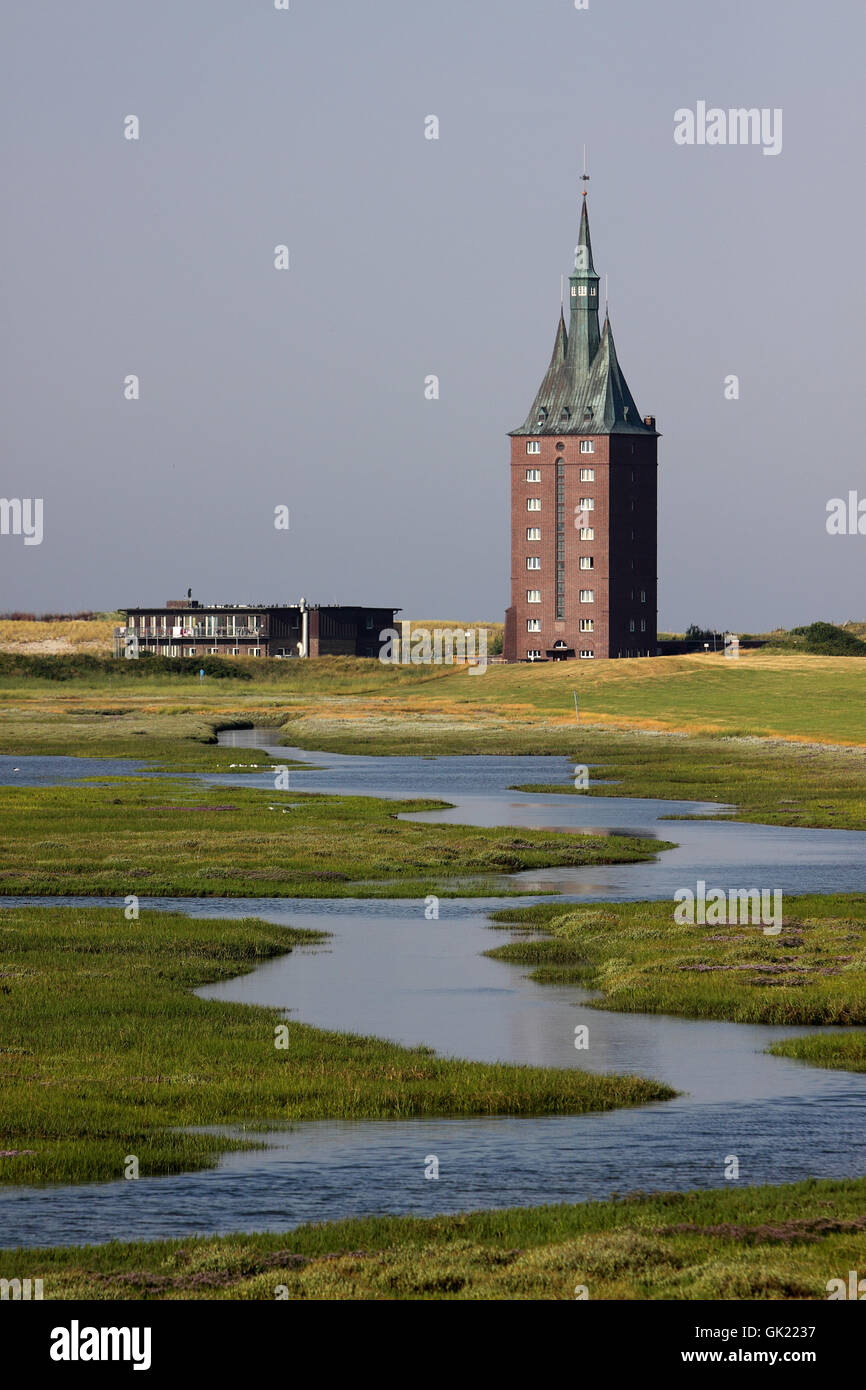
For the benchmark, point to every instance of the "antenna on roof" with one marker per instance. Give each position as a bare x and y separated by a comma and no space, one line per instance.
584,176
562,291
605,294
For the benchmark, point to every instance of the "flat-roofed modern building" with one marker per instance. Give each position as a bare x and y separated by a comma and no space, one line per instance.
186,627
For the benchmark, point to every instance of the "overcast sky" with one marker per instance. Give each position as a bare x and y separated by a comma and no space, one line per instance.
409,257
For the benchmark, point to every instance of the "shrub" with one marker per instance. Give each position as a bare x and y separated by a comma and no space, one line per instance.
825,639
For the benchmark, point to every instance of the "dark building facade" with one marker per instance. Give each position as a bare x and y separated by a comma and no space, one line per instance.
583,498
185,627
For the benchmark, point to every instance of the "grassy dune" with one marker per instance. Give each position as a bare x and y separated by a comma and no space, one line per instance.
790,695
793,696
785,695
59,635
779,1243
105,1052
641,961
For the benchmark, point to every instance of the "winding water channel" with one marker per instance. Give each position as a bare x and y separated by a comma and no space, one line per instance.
388,971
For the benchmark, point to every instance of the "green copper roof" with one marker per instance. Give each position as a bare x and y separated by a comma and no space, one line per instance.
583,251
584,390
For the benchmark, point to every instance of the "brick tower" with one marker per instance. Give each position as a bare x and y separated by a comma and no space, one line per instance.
583,498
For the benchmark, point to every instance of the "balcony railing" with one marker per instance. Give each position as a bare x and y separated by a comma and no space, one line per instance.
199,634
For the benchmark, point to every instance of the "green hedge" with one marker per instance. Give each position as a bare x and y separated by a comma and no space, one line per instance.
73,666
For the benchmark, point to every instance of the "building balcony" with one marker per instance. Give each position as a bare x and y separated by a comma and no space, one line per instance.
197,634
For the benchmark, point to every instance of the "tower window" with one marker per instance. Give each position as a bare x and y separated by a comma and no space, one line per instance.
643,595
574,291
565,413
587,504
586,654
534,653
533,624
533,446
643,624
533,595
587,446
533,562
587,595
581,291
587,475
533,504
533,533
593,290
586,562
587,533
586,624
542,414
533,475
631,625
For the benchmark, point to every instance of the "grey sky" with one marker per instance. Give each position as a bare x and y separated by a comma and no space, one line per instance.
410,257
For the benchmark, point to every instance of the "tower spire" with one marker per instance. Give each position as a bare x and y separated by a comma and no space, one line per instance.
583,333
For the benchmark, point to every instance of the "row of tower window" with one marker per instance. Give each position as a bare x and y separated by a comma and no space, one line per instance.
533,562
587,504
584,625
533,504
534,625
587,475
586,596
534,653
585,533
587,446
